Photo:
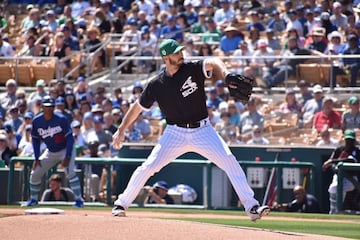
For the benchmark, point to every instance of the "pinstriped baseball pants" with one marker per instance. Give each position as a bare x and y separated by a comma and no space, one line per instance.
176,141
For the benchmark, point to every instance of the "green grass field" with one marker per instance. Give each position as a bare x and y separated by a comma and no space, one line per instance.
347,226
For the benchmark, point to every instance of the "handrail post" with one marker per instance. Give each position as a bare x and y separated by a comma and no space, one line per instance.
339,195
108,185
10,182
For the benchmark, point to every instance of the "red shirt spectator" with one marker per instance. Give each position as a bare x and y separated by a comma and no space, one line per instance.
327,118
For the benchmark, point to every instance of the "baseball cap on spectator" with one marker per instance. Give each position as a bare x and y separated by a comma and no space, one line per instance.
289,91
317,89
357,8
212,89
317,10
29,7
291,12
28,127
357,24
48,101
353,100
75,124
14,108
50,12
40,83
96,108
80,79
169,46
352,37
98,119
64,28
28,115
303,83
308,12
349,134
115,111
162,185
327,99
10,82
220,83
8,128
132,21
145,29
269,30
288,2
262,43
80,22
275,12
300,8
88,115
325,16
336,5
3,137
171,18
59,101
334,34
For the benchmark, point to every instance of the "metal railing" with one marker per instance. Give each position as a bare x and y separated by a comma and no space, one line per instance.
344,171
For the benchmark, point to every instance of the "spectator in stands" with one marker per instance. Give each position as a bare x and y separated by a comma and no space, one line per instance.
305,93
158,193
250,118
78,8
200,25
326,23
241,65
119,21
253,38
6,153
60,50
294,22
326,139
257,136
224,14
22,105
171,30
255,21
263,59
28,116
147,48
104,136
33,20
8,98
272,40
40,92
222,90
143,125
6,50
224,127
66,14
14,120
4,24
351,118
29,48
82,90
290,105
56,191
213,98
78,136
348,65
181,21
87,128
109,123
234,113
101,22
286,67
234,139
277,24
335,45
25,147
327,117
214,116
205,50
50,20
303,202
292,33
91,46
190,49
155,28
44,42
117,116
70,39
133,134
213,34
107,7
311,21
348,152
136,91
230,41
13,138
337,18
60,107
70,101
317,40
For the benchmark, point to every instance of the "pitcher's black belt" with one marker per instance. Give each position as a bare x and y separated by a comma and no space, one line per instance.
193,124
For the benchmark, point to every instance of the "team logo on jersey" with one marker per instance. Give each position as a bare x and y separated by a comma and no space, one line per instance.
188,87
49,132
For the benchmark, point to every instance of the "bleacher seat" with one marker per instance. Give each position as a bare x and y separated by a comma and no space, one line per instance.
6,72
23,75
43,71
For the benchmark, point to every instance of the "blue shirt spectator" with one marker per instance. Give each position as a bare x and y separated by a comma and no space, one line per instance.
172,30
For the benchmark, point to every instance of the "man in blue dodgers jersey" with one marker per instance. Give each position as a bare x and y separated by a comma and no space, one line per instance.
54,130
180,93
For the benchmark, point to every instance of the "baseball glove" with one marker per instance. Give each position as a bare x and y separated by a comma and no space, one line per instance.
240,86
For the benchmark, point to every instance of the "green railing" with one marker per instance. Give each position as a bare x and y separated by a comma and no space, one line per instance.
131,161
344,170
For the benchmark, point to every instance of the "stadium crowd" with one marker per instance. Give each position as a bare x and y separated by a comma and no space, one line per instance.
263,31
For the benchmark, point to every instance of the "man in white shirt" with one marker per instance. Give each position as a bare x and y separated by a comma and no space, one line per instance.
6,50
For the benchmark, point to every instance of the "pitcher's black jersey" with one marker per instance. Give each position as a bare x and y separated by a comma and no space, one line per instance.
181,97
